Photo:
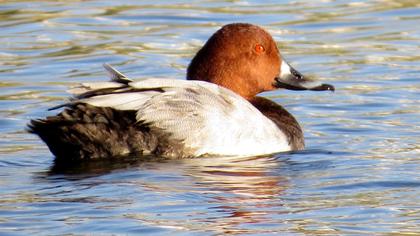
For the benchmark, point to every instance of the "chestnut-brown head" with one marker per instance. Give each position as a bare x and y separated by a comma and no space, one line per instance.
245,59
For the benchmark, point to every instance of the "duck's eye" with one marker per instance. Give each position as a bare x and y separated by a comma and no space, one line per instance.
259,48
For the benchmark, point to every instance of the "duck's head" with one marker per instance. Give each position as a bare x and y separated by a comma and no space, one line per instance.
245,59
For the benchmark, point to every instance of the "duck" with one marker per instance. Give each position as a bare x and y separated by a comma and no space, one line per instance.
214,112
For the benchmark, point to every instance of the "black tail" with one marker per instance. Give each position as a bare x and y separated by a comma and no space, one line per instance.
83,131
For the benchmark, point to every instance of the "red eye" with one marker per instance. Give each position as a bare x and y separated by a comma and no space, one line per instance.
259,48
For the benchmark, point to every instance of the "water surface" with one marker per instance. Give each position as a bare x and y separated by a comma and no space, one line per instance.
359,174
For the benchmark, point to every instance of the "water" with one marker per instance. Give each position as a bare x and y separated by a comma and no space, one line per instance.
359,174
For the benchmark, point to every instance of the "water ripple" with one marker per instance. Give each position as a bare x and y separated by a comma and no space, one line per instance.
358,175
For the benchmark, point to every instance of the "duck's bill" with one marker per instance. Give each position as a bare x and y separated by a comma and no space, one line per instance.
291,79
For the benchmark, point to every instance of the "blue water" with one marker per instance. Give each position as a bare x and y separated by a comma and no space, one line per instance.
358,176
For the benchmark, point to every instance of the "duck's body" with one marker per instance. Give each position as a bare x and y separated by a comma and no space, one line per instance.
176,118
171,118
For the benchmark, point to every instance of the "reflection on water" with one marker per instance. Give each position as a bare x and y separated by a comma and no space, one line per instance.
359,174
225,193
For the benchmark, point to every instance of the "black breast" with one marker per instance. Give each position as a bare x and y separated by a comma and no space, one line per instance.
283,119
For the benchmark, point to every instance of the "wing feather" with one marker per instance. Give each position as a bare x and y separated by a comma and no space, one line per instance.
115,75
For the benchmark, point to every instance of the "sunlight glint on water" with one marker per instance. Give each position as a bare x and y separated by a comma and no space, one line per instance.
359,174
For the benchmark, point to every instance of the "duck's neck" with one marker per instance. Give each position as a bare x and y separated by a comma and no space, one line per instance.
283,119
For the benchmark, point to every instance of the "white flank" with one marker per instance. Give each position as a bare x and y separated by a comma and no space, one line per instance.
216,121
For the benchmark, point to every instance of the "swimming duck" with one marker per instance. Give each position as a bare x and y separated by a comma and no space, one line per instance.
214,112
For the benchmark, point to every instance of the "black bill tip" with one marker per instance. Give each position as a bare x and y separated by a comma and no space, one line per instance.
323,87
